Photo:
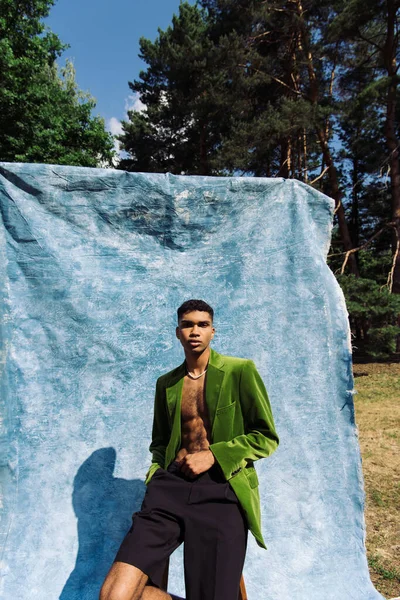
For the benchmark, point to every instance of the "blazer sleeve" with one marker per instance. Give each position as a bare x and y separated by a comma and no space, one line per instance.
160,431
260,438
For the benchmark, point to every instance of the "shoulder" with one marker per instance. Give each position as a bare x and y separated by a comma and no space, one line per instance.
171,377
235,362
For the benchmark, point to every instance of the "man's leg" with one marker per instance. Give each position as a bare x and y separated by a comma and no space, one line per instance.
154,535
126,582
215,543
123,582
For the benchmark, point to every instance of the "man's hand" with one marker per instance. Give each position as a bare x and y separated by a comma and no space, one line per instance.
196,463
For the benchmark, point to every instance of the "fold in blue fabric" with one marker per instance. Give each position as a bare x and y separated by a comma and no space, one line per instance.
93,265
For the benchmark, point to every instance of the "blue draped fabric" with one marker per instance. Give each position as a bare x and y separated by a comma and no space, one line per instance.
93,265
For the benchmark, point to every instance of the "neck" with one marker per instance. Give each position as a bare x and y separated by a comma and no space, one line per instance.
196,364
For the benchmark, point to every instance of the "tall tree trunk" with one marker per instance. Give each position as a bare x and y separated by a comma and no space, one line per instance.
389,57
354,223
305,176
204,168
299,156
354,219
337,195
323,140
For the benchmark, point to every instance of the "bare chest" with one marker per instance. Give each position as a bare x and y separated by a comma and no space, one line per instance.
193,399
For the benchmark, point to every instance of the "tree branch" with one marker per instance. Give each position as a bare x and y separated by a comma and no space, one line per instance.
368,58
273,78
369,41
256,37
389,282
319,176
353,250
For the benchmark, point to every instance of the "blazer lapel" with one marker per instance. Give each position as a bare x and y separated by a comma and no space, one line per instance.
174,391
215,376
174,400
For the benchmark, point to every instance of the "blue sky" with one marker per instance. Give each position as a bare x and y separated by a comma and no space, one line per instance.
104,45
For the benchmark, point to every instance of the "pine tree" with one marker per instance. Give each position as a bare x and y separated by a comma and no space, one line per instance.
288,67
184,117
371,27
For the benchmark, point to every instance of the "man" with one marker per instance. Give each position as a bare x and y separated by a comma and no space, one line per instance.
212,420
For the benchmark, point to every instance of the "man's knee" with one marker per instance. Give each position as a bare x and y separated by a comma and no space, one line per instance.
118,592
123,582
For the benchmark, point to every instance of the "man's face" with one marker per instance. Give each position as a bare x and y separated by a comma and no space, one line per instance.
195,331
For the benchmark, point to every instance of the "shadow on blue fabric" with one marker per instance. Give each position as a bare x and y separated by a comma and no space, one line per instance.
103,506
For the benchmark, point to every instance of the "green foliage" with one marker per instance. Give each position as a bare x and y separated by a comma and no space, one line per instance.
177,129
373,313
375,264
217,97
43,116
257,88
375,562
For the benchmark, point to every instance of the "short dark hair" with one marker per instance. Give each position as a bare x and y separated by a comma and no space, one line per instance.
190,305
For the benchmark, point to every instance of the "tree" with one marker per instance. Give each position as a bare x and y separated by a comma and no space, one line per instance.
292,88
43,116
184,117
372,27
290,68
205,113
233,87
373,312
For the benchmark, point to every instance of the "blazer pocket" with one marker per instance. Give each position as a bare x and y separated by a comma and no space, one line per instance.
252,477
226,408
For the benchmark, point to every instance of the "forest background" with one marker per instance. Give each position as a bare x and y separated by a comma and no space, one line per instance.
304,89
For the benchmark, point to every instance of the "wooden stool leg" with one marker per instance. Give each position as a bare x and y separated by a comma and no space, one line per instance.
242,591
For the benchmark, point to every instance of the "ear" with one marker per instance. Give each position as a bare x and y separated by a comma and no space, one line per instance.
177,332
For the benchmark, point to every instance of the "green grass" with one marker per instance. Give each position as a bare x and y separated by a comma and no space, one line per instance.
378,420
392,574
377,498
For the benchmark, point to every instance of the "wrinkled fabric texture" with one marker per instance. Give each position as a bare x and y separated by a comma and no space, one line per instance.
93,265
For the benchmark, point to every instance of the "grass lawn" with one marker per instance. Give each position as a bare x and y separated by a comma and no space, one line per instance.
377,408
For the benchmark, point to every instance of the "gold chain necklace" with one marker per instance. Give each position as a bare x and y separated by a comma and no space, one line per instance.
192,375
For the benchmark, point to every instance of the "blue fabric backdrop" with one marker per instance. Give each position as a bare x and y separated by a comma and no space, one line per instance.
93,266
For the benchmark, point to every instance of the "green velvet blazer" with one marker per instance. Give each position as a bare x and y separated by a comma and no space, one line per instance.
243,429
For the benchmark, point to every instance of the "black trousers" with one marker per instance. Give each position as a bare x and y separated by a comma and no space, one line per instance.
205,514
